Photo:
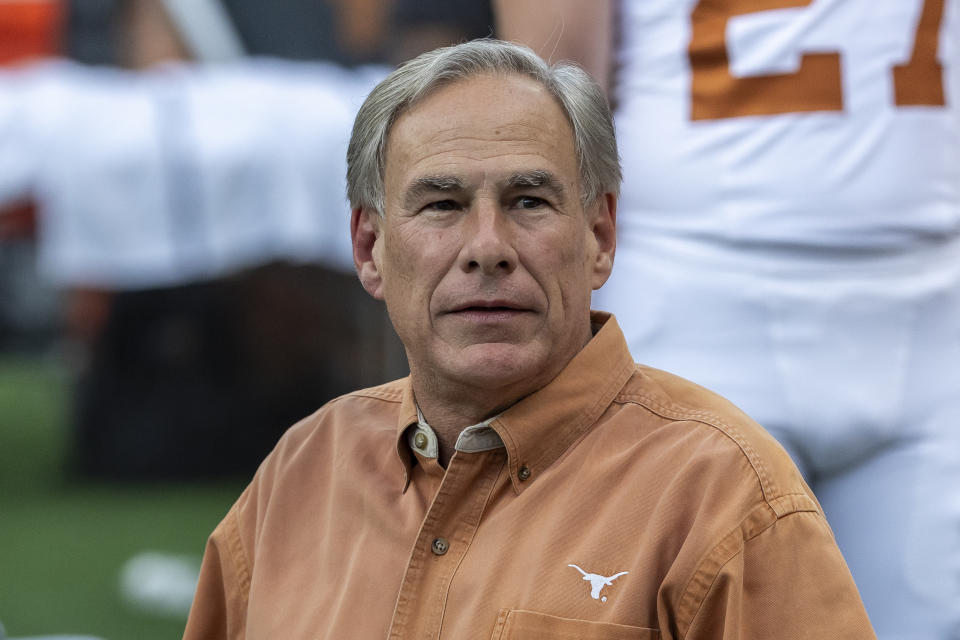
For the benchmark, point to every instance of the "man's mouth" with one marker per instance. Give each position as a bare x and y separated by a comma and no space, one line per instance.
489,311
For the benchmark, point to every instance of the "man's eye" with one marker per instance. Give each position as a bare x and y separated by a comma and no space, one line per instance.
442,205
529,202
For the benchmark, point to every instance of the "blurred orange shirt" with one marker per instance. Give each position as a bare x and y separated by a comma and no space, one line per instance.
30,29
618,502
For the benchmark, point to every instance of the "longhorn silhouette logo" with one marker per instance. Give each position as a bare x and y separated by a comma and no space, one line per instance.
598,582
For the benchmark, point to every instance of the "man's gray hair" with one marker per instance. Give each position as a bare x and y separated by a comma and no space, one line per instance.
577,94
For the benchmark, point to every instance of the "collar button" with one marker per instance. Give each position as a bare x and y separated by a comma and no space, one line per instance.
420,441
524,473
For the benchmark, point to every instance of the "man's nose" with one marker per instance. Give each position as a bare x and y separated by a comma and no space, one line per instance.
488,244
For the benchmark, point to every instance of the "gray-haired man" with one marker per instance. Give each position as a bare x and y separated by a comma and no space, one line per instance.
527,480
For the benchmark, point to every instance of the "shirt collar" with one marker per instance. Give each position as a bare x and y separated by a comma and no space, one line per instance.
473,439
541,427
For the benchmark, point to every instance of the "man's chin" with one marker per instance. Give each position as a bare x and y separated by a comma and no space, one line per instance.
498,365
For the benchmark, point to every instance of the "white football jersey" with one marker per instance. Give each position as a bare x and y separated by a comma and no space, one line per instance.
825,123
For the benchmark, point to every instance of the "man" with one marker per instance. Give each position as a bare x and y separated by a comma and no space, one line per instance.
528,480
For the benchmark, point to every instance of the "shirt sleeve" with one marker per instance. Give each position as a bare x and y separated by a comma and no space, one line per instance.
220,604
786,581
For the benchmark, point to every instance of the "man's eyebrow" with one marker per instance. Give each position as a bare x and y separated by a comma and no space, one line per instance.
537,178
431,184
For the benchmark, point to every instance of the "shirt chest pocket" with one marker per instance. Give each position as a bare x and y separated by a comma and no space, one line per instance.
515,624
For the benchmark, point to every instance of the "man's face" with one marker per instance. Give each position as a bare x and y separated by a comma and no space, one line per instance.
485,256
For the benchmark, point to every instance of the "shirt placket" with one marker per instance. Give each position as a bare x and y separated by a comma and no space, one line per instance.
444,539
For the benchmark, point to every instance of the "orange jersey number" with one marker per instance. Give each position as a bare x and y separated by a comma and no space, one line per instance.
816,86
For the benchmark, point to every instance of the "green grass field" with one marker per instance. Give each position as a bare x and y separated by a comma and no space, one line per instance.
63,544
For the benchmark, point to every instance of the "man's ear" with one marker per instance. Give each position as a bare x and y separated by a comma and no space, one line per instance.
604,228
365,232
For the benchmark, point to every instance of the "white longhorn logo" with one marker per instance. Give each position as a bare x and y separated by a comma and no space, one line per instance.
598,582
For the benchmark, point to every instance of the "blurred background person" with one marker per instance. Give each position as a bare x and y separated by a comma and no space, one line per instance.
790,236
174,205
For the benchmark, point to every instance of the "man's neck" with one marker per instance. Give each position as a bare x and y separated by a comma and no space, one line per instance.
449,419
448,414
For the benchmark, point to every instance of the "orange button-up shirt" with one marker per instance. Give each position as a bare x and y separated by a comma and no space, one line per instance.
616,502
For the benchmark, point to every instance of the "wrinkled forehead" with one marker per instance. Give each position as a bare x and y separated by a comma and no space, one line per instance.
445,91
494,121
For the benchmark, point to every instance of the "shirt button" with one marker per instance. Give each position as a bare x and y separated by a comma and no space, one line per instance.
440,546
523,473
420,441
